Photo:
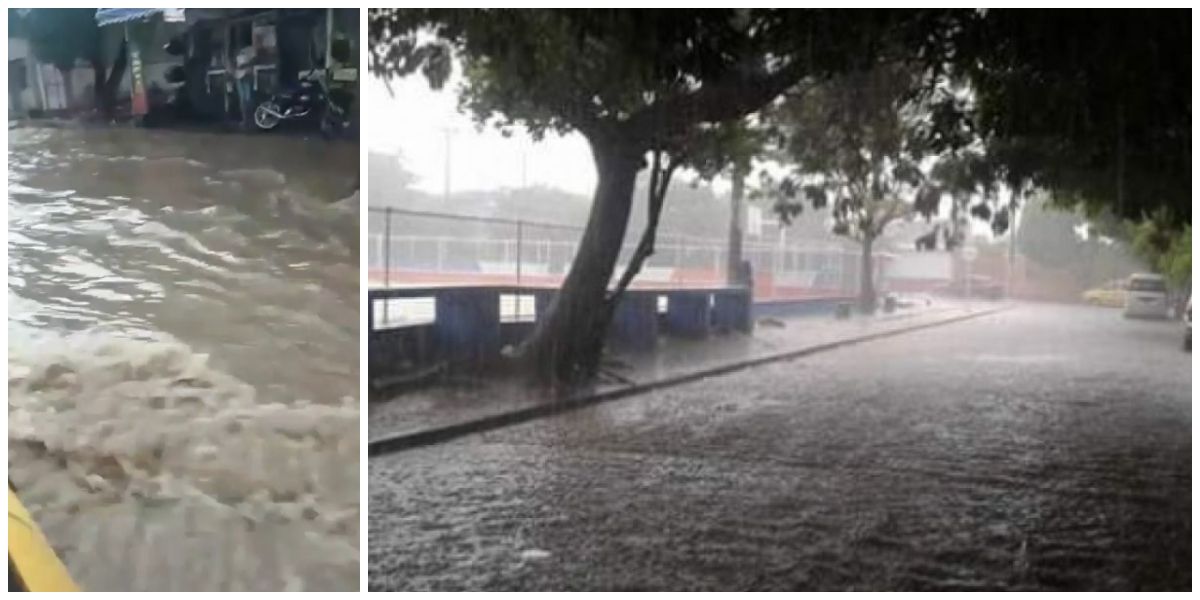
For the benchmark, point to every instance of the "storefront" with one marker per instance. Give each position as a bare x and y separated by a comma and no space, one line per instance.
203,47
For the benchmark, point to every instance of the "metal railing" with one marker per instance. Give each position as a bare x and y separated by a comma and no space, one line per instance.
412,248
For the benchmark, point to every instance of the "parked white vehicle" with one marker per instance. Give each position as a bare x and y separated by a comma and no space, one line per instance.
1146,296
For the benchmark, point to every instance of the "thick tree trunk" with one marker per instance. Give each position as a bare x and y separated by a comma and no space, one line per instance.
866,289
98,81
108,83
565,346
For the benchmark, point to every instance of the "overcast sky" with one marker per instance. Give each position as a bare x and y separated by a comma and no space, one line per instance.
415,118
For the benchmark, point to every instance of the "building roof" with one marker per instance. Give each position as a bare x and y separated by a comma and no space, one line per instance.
114,16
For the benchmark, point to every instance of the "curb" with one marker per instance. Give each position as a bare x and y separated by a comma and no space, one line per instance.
406,441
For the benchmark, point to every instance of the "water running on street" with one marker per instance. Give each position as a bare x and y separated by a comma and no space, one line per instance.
183,340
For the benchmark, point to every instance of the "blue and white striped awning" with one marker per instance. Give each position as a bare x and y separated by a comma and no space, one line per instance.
113,16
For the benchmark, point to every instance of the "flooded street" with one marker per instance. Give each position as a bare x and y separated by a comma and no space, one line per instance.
183,342
1042,448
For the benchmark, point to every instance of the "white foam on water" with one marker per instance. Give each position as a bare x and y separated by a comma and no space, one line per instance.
149,469
149,465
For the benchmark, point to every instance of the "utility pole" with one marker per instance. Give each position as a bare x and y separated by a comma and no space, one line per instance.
448,132
733,265
524,165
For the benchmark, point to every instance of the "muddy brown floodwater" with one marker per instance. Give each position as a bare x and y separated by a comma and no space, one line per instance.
183,342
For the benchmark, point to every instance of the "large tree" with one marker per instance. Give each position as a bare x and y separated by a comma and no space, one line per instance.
64,36
647,88
855,142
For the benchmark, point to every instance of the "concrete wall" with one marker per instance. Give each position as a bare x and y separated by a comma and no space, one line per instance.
23,98
470,327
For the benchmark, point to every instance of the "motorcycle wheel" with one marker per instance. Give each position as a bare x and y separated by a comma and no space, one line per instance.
263,117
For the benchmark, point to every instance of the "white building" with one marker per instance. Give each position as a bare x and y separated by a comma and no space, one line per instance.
34,87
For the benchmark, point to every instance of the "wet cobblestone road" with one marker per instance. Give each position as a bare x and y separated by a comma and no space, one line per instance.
1041,448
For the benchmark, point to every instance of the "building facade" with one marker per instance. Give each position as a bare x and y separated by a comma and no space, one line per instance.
179,58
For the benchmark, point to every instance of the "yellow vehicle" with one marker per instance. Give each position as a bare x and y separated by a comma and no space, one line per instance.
1111,294
32,564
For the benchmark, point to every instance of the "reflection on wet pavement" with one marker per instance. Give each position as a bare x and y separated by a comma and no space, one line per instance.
183,377
934,460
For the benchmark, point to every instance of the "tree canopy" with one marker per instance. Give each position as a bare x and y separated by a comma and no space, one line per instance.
852,145
855,142
62,37
59,36
1093,105
578,69
1168,249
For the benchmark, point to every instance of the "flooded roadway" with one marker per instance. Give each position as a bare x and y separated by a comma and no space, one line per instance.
1045,448
183,342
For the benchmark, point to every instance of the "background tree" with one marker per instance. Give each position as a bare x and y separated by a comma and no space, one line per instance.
644,87
855,145
388,178
64,36
1167,249
1051,236
1065,240
966,177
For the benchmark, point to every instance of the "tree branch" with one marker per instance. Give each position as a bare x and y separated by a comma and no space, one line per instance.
660,179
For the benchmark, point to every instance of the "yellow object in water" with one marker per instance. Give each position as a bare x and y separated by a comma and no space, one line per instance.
32,564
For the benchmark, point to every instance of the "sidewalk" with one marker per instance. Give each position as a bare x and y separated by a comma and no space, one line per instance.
449,411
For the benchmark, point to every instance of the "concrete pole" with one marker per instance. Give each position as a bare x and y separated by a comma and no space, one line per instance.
734,257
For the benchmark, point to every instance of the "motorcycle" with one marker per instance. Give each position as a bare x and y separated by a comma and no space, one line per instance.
309,98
